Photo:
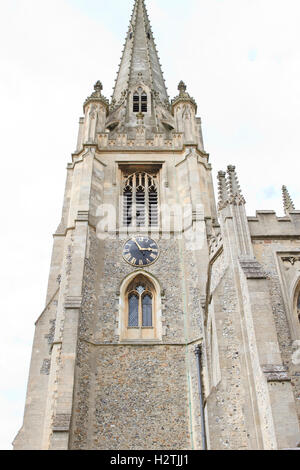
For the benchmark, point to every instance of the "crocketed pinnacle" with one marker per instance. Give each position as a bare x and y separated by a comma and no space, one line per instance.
288,204
223,192
235,194
183,96
140,60
97,96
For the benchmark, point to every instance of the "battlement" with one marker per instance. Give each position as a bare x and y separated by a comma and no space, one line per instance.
267,224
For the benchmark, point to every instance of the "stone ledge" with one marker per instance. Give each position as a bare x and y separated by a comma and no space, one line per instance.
276,373
61,423
252,269
73,302
82,216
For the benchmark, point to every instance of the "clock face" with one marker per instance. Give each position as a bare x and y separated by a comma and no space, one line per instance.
140,251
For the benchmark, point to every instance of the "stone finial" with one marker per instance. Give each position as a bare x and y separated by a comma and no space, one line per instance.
234,189
182,87
288,204
98,86
97,96
184,96
223,192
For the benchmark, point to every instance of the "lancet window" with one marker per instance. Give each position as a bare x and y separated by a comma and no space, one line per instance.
140,200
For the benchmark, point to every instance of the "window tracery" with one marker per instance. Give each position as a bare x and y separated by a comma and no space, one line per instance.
140,295
140,308
140,200
140,101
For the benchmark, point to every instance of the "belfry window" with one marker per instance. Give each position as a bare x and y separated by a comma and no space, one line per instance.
140,200
140,303
144,103
140,101
136,103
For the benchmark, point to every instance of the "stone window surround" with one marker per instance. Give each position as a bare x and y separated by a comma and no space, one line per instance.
297,302
133,289
149,219
141,89
140,334
290,292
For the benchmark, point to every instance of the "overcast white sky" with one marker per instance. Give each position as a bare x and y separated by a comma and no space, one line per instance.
241,62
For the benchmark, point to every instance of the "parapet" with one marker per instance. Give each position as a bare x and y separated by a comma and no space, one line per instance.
267,224
121,141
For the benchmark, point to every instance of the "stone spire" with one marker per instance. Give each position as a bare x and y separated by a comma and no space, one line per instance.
140,59
287,201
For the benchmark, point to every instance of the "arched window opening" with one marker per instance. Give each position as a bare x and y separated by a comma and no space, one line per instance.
298,307
140,101
144,102
140,207
133,303
136,103
140,295
153,207
127,206
140,200
147,310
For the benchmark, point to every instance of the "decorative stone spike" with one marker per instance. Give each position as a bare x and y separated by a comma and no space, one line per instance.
184,96
288,204
235,193
97,96
223,192
182,87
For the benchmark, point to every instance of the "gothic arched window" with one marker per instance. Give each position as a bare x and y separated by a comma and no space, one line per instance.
140,303
140,101
140,200
140,308
298,306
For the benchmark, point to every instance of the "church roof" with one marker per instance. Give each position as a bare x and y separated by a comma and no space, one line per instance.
140,59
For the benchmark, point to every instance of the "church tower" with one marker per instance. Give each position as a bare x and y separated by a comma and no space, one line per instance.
145,342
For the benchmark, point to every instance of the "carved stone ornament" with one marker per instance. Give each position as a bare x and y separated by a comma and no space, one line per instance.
291,259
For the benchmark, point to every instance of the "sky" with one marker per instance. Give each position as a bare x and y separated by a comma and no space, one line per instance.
241,62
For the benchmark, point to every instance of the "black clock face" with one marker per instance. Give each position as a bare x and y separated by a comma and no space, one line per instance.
140,251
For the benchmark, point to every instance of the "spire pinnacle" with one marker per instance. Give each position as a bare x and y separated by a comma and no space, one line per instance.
97,96
223,191
139,57
236,196
183,96
288,204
